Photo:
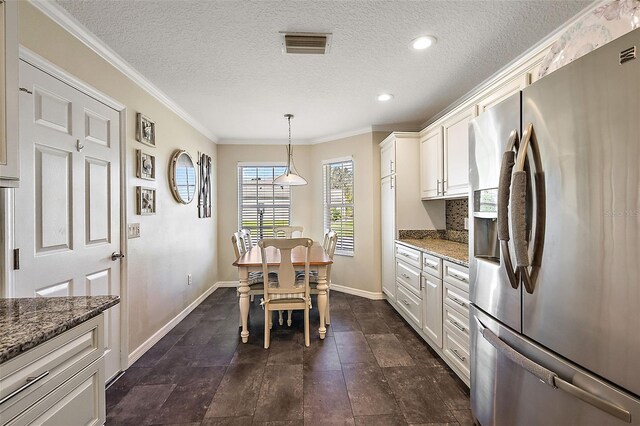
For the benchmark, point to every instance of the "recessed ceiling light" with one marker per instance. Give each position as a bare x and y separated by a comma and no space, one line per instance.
384,97
423,42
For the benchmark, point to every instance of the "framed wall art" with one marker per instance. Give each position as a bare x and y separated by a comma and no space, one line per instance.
145,200
145,130
145,165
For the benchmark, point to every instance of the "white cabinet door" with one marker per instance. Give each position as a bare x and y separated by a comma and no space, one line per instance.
388,157
456,152
9,167
388,225
432,302
431,173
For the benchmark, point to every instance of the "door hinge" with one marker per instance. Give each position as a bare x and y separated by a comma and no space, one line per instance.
16,259
25,90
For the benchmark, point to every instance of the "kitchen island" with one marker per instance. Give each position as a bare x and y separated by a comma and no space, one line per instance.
52,360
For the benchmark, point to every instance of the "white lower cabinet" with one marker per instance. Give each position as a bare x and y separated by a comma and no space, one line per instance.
432,294
432,301
59,382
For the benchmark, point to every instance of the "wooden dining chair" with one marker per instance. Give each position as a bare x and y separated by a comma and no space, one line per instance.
288,231
256,279
286,292
329,245
248,238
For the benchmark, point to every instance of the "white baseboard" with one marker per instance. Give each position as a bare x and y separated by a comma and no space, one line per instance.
357,292
140,350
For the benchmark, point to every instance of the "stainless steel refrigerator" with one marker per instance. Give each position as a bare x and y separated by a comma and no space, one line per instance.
555,252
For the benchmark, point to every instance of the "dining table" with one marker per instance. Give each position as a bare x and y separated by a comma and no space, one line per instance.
251,261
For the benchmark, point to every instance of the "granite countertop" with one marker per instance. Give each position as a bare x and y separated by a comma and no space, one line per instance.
448,250
27,322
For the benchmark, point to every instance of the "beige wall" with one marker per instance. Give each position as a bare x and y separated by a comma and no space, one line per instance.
301,202
174,242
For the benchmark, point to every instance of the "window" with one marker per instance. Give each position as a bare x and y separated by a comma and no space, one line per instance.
261,204
338,203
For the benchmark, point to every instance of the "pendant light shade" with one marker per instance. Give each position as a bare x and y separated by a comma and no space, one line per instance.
291,177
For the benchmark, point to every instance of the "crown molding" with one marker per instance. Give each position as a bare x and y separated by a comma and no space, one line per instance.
515,63
61,17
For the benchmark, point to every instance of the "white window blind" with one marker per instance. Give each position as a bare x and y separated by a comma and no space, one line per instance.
261,204
338,203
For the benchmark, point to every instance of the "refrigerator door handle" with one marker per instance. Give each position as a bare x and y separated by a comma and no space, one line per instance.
551,378
504,188
519,207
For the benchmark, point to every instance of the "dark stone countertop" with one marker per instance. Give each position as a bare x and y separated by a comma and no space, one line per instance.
27,322
448,250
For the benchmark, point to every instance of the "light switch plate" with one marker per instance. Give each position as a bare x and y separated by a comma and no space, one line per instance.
466,223
133,230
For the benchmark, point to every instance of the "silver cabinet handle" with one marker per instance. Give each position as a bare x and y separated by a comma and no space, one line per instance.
431,265
30,382
458,301
438,187
444,187
391,166
391,180
406,276
455,352
409,256
458,277
405,302
457,325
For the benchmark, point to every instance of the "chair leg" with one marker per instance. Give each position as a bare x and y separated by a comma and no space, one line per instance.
240,319
267,327
327,315
280,318
290,312
306,325
270,320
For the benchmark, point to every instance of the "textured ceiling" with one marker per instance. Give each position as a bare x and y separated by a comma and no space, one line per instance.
221,60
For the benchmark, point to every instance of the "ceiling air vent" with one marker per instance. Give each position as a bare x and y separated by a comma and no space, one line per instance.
305,43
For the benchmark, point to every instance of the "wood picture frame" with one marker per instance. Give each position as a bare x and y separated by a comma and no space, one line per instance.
145,130
145,165
145,200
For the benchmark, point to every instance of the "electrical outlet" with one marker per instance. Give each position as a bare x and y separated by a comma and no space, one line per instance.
189,279
466,223
133,230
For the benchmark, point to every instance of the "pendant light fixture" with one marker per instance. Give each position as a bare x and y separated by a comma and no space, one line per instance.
291,177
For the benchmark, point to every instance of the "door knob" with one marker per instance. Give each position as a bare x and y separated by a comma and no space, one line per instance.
115,256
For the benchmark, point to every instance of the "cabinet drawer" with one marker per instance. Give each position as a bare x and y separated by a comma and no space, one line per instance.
51,364
409,276
456,351
79,401
456,298
410,304
411,256
432,265
456,275
456,323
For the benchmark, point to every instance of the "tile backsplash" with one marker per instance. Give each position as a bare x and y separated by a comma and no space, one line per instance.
456,212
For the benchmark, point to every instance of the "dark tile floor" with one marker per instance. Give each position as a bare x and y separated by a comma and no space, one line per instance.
372,369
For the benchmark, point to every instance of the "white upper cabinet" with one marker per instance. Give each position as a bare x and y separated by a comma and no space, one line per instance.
431,156
9,170
456,153
388,157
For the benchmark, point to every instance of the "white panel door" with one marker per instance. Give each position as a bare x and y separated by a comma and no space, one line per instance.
456,153
431,174
68,204
388,231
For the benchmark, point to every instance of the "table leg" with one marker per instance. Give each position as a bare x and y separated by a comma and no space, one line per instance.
244,303
322,298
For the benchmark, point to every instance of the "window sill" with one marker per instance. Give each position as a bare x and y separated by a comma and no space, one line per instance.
344,253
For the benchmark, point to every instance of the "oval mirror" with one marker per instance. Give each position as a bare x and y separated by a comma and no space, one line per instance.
182,177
